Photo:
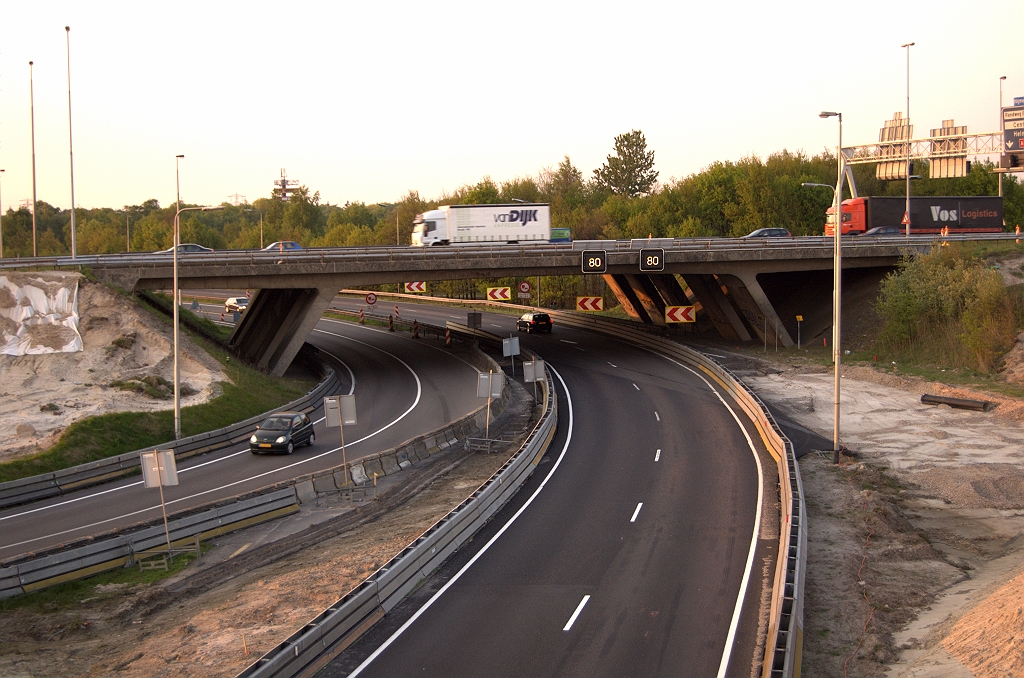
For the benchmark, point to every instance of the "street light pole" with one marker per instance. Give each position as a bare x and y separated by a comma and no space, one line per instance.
908,46
1001,78
174,296
32,109
71,146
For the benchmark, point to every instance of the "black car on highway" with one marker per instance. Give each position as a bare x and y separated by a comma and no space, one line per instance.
534,322
282,432
768,233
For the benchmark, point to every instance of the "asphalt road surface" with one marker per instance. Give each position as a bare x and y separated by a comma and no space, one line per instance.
402,387
632,551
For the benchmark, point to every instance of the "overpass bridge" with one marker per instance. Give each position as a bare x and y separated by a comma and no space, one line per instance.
747,289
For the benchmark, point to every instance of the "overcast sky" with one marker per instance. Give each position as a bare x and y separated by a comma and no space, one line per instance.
368,100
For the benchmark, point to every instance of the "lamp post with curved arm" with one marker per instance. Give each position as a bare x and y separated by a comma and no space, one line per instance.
174,295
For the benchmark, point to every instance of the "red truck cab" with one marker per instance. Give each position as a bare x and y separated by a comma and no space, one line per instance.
854,217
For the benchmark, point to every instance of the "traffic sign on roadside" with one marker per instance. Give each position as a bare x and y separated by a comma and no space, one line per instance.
680,314
595,261
499,293
1013,129
589,304
652,259
524,290
415,287
371,299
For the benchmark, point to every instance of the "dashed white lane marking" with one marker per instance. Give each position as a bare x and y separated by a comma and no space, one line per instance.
636,512
613,365
566,341
657,455
579,608
657,416
636,387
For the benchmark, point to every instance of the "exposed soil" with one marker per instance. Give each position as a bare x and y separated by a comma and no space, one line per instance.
41,395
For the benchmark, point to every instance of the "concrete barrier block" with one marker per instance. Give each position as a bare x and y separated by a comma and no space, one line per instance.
389,462
452,435
430,444
339,477
359,475
305,491
371,466
324,483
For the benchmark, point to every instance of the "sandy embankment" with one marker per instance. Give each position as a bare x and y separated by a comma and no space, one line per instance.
77,384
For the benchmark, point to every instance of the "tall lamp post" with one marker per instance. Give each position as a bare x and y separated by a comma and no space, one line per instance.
908,46
71,146
174,294
389,206
32,110
837,264
261,224
1001,78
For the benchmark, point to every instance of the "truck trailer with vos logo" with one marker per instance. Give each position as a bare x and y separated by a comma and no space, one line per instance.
521,223
928,214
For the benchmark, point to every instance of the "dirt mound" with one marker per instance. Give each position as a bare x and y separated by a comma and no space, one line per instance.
989,640
41,395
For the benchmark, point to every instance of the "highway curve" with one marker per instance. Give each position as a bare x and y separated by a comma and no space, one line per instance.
625,554
402,387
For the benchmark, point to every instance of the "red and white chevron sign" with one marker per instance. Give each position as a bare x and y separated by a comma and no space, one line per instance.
415,287
589,304
680,314
499,293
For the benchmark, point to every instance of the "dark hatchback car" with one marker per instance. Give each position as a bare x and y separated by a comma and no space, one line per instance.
884,230
534,322
768,233
282,432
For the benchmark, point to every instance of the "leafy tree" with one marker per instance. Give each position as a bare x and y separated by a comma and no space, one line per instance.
630,171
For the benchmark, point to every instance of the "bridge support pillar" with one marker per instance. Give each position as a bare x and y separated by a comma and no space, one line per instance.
708,292
276,324
622,290
756,308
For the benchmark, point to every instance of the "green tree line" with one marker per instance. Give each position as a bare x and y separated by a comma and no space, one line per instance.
622,199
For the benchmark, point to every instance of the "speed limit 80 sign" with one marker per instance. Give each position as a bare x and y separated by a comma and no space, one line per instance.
595,261
652,259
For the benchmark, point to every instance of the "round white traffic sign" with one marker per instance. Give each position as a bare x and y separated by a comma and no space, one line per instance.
524,287
371,299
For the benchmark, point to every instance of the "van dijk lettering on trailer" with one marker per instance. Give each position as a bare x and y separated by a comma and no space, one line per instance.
516,216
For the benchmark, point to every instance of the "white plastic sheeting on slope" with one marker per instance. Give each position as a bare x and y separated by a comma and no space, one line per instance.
39,314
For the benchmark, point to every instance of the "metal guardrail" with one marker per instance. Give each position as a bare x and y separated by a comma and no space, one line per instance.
318,642
102,470
323,256
33,574
785,625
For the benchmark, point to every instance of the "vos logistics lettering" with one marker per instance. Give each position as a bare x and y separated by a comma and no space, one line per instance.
950,216
516,216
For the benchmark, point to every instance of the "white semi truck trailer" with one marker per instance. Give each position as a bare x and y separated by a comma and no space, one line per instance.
482,224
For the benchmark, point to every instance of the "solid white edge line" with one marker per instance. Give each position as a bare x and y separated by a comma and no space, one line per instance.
483,549
579,608
734,624
636,512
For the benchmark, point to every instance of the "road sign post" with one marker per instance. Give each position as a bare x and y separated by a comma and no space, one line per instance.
489,386
799,319
340,410
159,469
510,349
533,371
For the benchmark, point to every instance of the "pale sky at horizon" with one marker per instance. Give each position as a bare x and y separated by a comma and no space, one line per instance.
366,101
